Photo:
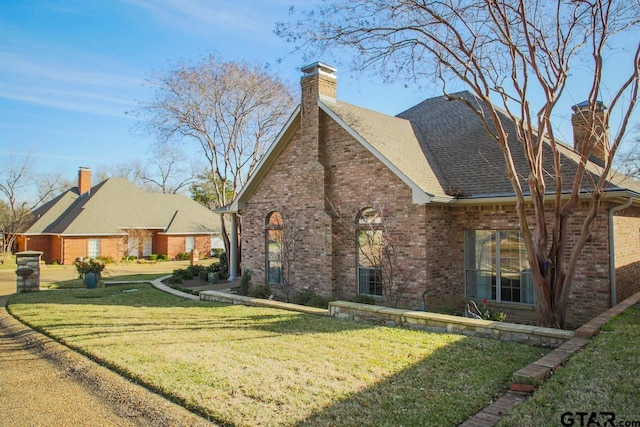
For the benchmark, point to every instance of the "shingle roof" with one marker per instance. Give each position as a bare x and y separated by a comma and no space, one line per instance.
114,205
468,162
394,139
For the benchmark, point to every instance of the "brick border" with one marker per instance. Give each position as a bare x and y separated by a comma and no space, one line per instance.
526,380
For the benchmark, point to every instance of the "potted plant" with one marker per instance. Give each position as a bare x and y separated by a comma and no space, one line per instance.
89,271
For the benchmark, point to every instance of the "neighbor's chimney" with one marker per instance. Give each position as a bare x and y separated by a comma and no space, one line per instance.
590,135
84,180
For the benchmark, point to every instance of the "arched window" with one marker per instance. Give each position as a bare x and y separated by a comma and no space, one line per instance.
369,242
273,241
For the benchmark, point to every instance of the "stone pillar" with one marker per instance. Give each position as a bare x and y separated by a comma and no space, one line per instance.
232,257
194,257
28,271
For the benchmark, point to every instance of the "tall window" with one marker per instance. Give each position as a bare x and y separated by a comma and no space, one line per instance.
273,241
189,243
94,248
496,266
369,241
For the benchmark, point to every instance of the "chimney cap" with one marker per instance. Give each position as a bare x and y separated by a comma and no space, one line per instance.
585,106
318,68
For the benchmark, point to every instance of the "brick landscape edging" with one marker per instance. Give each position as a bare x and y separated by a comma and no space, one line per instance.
526,380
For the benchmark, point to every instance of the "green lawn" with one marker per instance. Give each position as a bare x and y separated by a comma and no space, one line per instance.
78,283
259,366
603,377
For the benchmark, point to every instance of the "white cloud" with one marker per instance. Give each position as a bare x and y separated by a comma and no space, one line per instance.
239,17
73,84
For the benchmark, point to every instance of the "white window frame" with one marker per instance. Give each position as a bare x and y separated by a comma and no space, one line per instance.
189,243
93,248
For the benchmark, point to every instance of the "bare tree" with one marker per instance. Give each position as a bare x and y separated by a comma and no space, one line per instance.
379,246
284,245
132,244
16,183
167,169
520,56
231,110
52,184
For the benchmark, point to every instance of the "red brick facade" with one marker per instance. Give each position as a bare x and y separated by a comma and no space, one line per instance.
323,171
66,250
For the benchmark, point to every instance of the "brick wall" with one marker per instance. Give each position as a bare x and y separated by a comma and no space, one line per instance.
74,247
627,252
590,294
172,245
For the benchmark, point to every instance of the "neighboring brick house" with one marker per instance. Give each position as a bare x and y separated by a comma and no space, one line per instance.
436,176
116,218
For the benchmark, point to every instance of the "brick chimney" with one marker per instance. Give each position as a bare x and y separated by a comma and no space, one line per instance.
590,133
84,180
318,82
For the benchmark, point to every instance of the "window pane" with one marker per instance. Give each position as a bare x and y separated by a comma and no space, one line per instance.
513,262
369,281
274,254
496,266
94,248
189,243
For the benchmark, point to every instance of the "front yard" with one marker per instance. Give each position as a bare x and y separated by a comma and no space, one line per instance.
249,366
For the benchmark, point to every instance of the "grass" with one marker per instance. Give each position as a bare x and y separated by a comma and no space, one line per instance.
603,377
78,283
240,365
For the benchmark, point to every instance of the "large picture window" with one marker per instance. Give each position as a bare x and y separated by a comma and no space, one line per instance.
369,241
273,240
496,266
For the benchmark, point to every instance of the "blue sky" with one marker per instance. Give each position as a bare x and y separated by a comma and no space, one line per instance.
71,69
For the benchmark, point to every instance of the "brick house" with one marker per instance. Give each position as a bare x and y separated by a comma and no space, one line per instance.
116,218
437,181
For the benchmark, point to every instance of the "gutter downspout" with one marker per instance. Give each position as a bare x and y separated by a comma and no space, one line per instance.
612,257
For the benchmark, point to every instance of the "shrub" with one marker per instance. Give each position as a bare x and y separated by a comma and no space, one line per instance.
195,269
303,296
216,252
319,301
106,259
183,256
204,275
245,282
259,291
364,299
91,266
163,257
224,266
152,257
178,276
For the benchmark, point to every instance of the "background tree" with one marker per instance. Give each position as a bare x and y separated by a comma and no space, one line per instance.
19,195
167,170
205,187
520,56
231,110
629,163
